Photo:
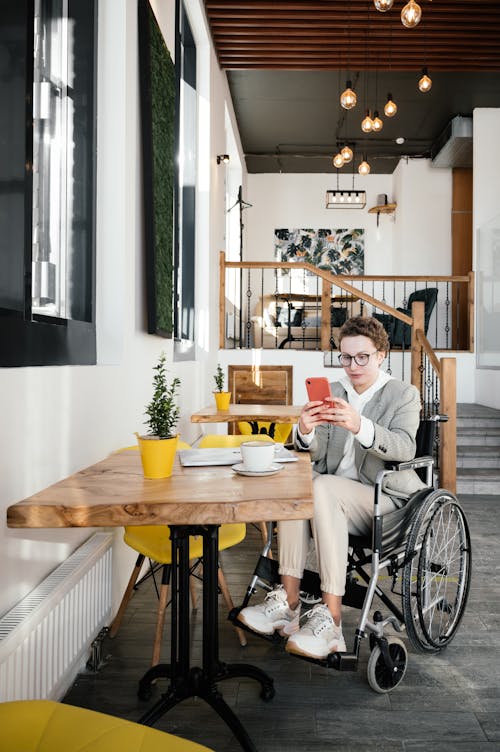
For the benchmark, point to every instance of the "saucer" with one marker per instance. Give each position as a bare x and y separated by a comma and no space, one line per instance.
240,469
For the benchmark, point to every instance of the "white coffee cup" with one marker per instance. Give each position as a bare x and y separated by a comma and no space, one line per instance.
257,456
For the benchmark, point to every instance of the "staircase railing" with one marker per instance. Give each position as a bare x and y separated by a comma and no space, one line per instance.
437,386
435,378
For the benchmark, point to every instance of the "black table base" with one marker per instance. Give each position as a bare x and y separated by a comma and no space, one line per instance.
185,680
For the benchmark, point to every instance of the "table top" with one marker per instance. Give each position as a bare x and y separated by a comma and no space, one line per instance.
114,493
240,412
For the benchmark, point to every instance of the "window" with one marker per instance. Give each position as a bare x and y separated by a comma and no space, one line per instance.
47,179
184,309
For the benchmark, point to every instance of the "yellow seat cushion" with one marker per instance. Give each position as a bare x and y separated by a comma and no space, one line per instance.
222,440
154,540
46,726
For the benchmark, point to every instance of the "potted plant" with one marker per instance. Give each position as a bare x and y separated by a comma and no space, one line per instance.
159,445
222,398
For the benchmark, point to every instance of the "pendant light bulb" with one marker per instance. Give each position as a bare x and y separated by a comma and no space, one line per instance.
383,5
338,161
348,97
377,122
367,123
346,153
411,14
390,107
364,167
425,83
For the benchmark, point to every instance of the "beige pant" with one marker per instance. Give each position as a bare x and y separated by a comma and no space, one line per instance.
341,506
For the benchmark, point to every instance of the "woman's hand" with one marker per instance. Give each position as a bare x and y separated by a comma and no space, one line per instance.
337,411
312,415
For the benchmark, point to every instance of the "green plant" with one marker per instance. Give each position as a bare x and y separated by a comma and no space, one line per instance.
162,411
219,378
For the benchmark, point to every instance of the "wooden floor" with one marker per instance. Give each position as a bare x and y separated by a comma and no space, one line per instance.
446,703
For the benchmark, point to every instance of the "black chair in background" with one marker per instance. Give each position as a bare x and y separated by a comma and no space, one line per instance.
399,332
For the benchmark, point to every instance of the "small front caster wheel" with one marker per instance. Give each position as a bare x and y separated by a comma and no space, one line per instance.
381,677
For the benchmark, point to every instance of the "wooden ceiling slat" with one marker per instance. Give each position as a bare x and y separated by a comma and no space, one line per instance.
453,35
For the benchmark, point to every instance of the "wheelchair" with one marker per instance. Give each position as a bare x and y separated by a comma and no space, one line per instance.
425,548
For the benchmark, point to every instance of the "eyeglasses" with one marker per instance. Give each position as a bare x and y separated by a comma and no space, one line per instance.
361,359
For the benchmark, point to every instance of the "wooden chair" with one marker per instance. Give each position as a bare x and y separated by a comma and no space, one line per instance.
153,542
47,726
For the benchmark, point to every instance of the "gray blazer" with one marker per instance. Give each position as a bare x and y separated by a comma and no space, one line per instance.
395,412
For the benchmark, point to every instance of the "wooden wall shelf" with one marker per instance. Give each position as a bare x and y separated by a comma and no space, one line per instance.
383,209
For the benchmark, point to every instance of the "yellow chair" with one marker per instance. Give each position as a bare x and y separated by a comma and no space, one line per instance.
46,726
279,432
224,440
153,542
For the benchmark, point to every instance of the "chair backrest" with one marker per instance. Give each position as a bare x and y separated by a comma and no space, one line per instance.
427,296
210,440
277,431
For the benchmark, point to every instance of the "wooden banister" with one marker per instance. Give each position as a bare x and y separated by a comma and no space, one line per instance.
445,370
448,432
418,312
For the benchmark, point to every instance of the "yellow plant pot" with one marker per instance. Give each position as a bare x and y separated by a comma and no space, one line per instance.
222,400
157,456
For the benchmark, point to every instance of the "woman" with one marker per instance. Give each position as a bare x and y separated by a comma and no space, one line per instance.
372,418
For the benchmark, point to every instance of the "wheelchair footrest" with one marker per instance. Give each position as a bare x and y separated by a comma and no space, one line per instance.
343,661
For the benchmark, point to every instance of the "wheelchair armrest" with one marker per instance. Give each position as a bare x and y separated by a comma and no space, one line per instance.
413,464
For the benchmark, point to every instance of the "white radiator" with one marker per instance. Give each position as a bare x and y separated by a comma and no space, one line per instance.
45,639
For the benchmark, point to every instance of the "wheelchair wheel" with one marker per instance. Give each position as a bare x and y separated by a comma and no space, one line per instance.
381,677
437,572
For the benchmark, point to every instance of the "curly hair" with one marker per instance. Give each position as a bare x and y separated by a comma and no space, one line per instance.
365,326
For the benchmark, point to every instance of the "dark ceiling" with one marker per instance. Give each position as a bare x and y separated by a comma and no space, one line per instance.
288,61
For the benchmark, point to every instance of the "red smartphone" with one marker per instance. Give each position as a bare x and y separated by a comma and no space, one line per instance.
318,389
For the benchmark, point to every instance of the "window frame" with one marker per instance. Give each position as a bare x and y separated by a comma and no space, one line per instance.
27,338
184,347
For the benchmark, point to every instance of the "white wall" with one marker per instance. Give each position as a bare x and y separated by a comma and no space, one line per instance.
422,231
416,239
59,420
486,189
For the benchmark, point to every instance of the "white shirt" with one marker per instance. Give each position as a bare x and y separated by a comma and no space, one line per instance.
366,433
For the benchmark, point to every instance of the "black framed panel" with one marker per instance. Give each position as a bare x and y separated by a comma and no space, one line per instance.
28,338
158,106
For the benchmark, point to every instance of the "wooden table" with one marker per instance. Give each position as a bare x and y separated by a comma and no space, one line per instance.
251,412
305,299
193,501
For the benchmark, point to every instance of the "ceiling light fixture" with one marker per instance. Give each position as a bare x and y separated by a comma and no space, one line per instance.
337,199
383,5
348,97
338,160
346,153
400,140
367,123
377,122
364,167
222,158
390,107
425,83
411,14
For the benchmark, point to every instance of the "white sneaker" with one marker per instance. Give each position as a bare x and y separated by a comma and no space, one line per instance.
271,615
319,636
